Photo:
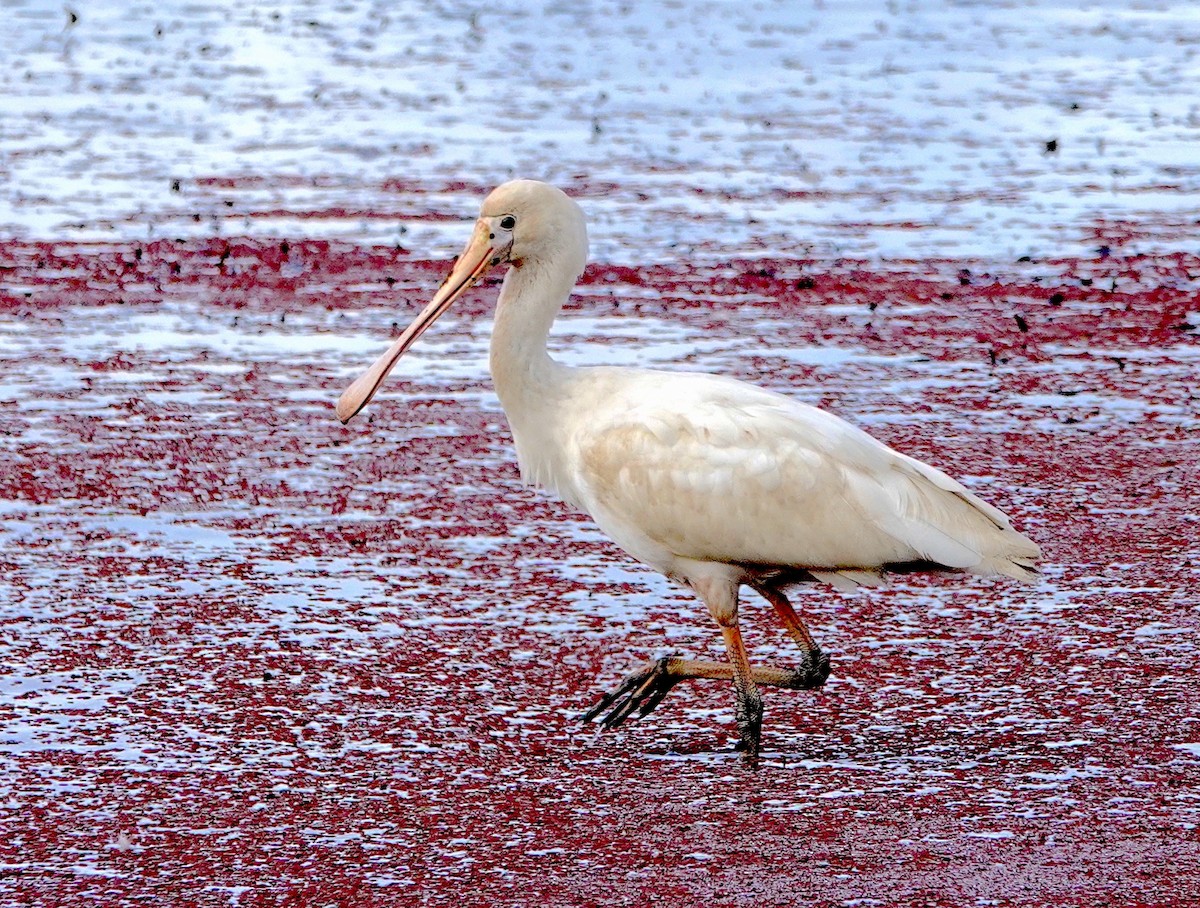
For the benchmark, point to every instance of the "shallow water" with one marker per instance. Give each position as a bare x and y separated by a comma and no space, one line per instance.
713,129
255,657
243,636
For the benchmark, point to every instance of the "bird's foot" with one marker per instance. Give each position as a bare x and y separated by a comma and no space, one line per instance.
639,693
816,670
749,716
811,674
749,751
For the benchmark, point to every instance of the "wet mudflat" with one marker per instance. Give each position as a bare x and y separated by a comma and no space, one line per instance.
253,657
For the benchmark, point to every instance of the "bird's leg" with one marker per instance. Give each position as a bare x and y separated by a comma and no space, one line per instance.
749,711
645,688
722,601
816,667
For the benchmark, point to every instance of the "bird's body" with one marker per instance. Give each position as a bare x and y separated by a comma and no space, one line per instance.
683,469
712,481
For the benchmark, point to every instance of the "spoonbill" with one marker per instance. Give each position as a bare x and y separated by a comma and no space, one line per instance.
714,482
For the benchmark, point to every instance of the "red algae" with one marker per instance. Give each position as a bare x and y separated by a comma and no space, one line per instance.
256,657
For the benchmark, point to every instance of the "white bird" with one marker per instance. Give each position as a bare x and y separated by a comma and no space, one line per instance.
714,482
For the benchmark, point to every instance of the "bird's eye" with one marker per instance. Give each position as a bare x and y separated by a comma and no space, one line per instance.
508,222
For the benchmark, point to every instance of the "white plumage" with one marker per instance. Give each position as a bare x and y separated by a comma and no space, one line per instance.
715,470
712,481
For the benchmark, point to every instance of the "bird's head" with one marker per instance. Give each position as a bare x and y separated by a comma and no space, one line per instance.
525,223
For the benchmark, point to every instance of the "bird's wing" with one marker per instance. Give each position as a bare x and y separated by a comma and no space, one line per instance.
713,469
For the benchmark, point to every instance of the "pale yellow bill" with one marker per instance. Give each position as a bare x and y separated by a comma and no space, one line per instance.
476,259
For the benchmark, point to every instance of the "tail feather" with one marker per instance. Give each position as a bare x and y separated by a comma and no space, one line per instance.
1017,567
849,580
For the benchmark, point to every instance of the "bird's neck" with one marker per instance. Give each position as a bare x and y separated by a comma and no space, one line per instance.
525,376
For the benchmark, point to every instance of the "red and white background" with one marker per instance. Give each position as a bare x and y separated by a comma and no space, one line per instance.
252,657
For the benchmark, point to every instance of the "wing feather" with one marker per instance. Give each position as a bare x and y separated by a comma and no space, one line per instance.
712,469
